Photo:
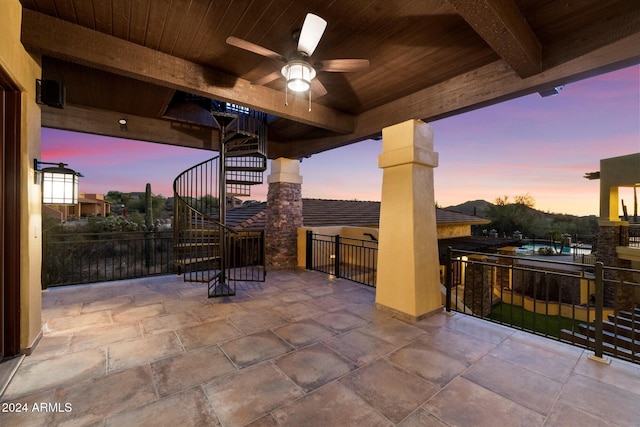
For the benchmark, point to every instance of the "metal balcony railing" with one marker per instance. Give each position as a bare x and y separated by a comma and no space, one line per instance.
75,258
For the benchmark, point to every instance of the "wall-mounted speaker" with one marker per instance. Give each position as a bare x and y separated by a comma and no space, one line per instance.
50,92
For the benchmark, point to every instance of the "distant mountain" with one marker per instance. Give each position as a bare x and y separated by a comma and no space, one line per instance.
474,207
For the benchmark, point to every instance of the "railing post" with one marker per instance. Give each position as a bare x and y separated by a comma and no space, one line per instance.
448,278
598,344
309,250
336,267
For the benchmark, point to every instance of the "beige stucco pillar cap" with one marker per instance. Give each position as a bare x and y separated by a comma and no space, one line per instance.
285,170
408,142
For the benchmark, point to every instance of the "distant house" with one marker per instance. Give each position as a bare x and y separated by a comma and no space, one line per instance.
454,228
89,204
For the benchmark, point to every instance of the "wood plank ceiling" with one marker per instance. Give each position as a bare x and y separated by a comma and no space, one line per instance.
428,59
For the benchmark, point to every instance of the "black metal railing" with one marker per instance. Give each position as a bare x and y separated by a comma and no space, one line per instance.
346,257
588,306
75,258
634,235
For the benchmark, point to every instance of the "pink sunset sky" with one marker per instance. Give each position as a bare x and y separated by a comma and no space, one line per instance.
540,146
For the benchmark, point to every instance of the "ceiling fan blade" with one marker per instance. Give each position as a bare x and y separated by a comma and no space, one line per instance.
343,65
318,88
310,34
252,47
267,79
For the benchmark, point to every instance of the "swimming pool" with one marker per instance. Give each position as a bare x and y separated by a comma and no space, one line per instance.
531,248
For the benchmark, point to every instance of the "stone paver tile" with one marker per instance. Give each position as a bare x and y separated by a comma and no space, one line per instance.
597,398
314,366
358,347
207,334
429,363
54,310
185,370
168,322
189,408
393,331
144,350
99,337
457,344
359,295
137,313
486,331
250,394
49,346
525,387
266,421
422,418
256,321
619,373
108,304
567,351
332,405
251,349
341,321
25,410
68,324
568,416
435,322
90,400
218,311
303,333
56,372
291,296
296,311
464,403
534,359
327,303
149,297
180,305
392,391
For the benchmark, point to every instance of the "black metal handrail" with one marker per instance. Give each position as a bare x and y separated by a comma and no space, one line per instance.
346,257
585,305
75,258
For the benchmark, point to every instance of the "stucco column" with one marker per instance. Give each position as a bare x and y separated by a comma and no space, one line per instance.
408,281
283,214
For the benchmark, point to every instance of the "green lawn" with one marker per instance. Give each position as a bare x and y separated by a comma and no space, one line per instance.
520,318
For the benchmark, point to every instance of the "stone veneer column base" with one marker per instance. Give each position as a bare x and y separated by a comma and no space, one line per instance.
283,215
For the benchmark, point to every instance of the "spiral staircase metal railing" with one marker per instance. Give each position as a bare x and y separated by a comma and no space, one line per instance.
205,248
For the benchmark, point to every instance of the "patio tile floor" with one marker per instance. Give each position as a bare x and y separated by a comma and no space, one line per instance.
301,349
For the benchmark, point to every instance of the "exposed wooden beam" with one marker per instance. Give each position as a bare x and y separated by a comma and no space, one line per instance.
501,24
491,84
102,122
64,40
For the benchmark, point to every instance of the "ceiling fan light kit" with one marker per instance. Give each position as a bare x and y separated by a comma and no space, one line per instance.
298,71
298,74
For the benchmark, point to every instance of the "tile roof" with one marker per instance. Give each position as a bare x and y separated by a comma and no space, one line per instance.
323,212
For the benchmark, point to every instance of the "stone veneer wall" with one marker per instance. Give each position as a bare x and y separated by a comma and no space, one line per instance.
478,287
609,237
283,218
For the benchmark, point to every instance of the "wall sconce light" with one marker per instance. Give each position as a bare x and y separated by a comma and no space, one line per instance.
59,183
123,124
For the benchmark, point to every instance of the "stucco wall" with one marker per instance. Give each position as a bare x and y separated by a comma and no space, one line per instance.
23,69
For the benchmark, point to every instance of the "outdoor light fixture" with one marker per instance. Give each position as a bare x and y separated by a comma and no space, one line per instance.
298,74
123,124
59,183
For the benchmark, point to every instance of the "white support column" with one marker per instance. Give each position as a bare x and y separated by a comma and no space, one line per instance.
408,280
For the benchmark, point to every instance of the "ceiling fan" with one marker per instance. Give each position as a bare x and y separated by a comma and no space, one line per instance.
298,70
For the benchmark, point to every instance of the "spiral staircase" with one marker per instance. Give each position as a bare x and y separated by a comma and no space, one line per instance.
205,249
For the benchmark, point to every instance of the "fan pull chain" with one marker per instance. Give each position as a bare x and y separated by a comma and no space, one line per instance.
309,99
